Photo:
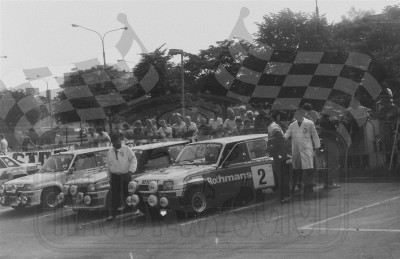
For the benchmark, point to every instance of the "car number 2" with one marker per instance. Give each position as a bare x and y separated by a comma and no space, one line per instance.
262,176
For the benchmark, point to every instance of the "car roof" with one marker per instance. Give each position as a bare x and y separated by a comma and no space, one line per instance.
85,150
159,145
231,139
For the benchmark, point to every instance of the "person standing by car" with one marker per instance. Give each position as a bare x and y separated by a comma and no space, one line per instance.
121,164
304,140
276,148
3,144
104,138
92,138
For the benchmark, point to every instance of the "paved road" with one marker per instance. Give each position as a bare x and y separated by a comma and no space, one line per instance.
358,220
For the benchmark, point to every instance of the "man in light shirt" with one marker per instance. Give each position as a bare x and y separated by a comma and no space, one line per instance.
121,164
3,144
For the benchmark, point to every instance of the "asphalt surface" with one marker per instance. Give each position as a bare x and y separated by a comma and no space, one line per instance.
357,220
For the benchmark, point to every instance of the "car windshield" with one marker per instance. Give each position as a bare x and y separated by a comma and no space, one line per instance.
201,153
57,163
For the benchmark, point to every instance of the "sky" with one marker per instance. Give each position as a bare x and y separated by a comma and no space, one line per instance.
39,33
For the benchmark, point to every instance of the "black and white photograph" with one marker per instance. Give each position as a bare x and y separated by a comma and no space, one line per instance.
200,129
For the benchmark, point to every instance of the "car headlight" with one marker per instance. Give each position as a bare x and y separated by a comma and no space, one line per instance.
61,198
87,200
168,185
163,202
153,186
79,197
13,188
2,188
65,189
73,190
152,200
91,188
132,186
28,187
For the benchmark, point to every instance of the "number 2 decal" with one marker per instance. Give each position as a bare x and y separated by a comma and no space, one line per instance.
262,176
262,173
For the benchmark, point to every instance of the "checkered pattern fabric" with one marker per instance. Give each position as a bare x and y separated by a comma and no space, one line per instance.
100,91
287,79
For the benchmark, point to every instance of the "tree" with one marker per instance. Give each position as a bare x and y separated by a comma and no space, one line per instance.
288,30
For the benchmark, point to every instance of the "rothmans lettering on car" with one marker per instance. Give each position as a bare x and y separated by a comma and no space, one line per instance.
229,178
148,181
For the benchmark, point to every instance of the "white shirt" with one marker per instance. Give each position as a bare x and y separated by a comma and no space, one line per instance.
3,145
123,163
215,124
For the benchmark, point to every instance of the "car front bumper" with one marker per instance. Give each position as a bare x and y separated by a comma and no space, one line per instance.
21,198
94,200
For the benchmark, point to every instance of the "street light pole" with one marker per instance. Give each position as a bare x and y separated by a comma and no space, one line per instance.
101,38
48,94
180,52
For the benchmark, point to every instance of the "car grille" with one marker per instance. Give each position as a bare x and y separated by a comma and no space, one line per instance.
145,187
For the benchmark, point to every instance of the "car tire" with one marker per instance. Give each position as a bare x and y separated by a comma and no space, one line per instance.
49,198
198,201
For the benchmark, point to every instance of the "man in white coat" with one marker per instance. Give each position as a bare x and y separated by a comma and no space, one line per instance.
304,140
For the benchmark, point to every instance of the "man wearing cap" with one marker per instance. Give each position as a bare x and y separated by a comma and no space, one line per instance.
121,164
304,140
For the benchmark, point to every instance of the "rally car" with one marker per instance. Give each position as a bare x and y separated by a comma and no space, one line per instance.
207,174
88,191
12,169
43,187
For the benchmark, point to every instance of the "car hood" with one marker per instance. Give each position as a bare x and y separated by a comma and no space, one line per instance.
86,177
36,179
175,173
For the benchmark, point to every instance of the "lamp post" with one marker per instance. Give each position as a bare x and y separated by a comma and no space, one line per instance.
101,37
48,93
173,52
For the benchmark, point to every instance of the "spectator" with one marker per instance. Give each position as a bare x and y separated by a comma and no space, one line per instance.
3,144
26,142
103,139
191,127
311,114
179,127
121,164
138,130
150,131
164,132
216,124
250,117
204,129
239,125
93,138
229,126
242,112
304,137
127,131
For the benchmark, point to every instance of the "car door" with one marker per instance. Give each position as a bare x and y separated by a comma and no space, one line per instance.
235,171
261,165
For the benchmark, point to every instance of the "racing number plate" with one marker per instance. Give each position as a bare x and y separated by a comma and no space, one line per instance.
263,176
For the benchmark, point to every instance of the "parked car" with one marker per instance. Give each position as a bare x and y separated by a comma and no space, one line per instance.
12,169
43,187
206,174
88,191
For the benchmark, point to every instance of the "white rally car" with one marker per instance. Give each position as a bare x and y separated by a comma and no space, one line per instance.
43,187
11,169
207,174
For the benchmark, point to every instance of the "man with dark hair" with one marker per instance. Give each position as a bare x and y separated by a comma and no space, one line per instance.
304,140
277,149
121,164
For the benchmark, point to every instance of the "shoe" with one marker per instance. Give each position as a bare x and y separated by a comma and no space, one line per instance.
110,218
334,185
285,200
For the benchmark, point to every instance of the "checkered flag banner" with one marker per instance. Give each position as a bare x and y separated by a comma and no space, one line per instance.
330,81
102,94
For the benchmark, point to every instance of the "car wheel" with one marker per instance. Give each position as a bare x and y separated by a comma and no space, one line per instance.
49,198
198,201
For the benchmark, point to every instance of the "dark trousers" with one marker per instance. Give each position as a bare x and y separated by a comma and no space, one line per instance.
119,189
304,176
282,174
